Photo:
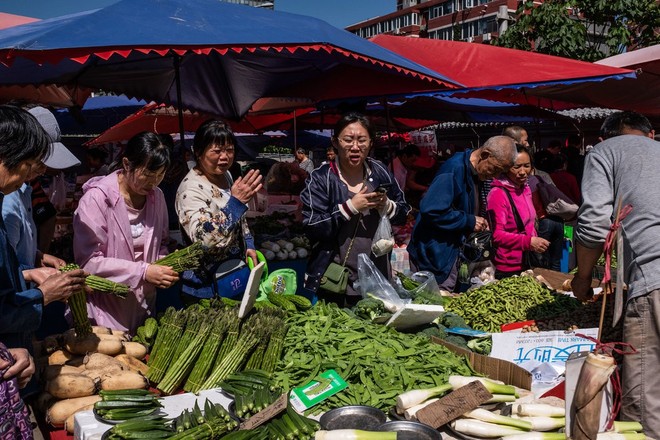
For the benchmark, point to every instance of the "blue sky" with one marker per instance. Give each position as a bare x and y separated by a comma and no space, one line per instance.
339,13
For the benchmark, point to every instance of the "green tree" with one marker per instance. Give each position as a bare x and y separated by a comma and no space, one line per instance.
587,30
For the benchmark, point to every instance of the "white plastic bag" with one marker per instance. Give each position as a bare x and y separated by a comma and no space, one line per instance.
373,284
58,192
383,241
427,284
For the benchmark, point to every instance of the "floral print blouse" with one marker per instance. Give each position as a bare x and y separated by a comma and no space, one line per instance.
213,216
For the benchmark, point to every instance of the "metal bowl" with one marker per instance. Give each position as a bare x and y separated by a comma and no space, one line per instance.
366,418
407,430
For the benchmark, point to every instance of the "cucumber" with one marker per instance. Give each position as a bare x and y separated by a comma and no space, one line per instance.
300,302
282,302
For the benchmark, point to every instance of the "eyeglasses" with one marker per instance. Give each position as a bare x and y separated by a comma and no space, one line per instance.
362,142
219,150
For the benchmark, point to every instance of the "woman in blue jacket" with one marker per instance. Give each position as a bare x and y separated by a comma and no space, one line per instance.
341,207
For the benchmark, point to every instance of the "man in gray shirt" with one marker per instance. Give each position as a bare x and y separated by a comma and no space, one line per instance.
304,161
623,170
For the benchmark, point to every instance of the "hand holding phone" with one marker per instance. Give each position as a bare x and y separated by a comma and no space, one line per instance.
383,187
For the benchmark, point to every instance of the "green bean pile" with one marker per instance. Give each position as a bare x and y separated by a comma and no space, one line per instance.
512,299
378,362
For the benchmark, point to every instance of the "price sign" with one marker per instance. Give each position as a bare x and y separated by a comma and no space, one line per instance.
454,405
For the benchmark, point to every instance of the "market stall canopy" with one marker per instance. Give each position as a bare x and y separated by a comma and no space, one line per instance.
41,94
161,118
455,109
206,55
515,76
96,115
11,20
647,59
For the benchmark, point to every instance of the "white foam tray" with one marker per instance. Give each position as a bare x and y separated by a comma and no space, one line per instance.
87,427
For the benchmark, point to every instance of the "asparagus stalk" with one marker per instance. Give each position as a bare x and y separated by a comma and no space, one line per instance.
204,364
78,305
165,346
184,259
179,370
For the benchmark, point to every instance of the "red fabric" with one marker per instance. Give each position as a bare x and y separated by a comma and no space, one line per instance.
165,119
483,65
567,183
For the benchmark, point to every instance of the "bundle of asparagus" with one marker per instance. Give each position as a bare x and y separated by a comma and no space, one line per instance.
78,304
184,259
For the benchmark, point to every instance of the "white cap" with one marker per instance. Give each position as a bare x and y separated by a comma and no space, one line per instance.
60,157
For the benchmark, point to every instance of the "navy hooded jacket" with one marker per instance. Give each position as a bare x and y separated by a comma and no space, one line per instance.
325,211
446,216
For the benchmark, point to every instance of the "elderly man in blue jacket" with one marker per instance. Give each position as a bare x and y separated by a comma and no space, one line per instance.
448,211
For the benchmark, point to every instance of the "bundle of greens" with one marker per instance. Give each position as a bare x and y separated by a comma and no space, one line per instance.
184,259
78,305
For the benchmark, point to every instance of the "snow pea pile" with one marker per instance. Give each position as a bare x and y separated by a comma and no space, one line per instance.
377,362
511,299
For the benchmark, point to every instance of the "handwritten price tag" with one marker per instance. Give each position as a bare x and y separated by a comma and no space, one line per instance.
454,405
263,416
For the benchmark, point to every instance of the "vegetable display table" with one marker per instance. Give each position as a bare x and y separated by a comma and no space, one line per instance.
87,427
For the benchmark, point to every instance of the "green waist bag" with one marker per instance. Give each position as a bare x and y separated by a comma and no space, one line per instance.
335,279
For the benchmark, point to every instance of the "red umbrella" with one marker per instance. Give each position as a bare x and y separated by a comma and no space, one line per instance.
517,76
161,118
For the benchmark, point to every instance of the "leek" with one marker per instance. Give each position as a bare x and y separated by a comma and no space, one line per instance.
627,427
410,412
620,436
492,386
353,434
497,398
415,397
487,416
537,409
480,429
543,423
536,436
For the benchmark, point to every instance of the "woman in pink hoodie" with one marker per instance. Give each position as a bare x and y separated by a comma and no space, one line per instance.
511,237
121,228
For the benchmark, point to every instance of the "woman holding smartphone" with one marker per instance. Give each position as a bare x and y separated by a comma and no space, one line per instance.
342,204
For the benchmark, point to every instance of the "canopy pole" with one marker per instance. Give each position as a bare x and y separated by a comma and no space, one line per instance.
295,132
390,147
177,82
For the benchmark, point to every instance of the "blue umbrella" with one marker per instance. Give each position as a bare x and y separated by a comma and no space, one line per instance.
206,55
96,115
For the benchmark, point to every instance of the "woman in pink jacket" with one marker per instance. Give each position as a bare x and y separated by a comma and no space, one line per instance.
120,228
513,234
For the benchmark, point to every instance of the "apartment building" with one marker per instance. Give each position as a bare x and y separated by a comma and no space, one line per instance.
465,20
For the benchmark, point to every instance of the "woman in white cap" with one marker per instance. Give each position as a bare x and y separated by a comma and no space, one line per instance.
17,206
23,145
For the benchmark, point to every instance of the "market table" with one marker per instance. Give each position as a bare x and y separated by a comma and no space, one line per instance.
87,427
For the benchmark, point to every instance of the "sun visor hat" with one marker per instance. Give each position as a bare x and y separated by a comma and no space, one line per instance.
60,157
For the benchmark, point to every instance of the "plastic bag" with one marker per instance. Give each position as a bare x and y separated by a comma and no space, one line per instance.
428,284
373,284
383,241
58,192
280,281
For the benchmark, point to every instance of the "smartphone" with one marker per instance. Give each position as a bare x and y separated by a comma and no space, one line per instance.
383,187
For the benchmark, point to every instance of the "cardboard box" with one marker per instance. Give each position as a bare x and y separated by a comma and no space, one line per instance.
497,369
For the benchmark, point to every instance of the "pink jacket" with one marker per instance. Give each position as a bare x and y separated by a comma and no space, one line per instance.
509,242
103,246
